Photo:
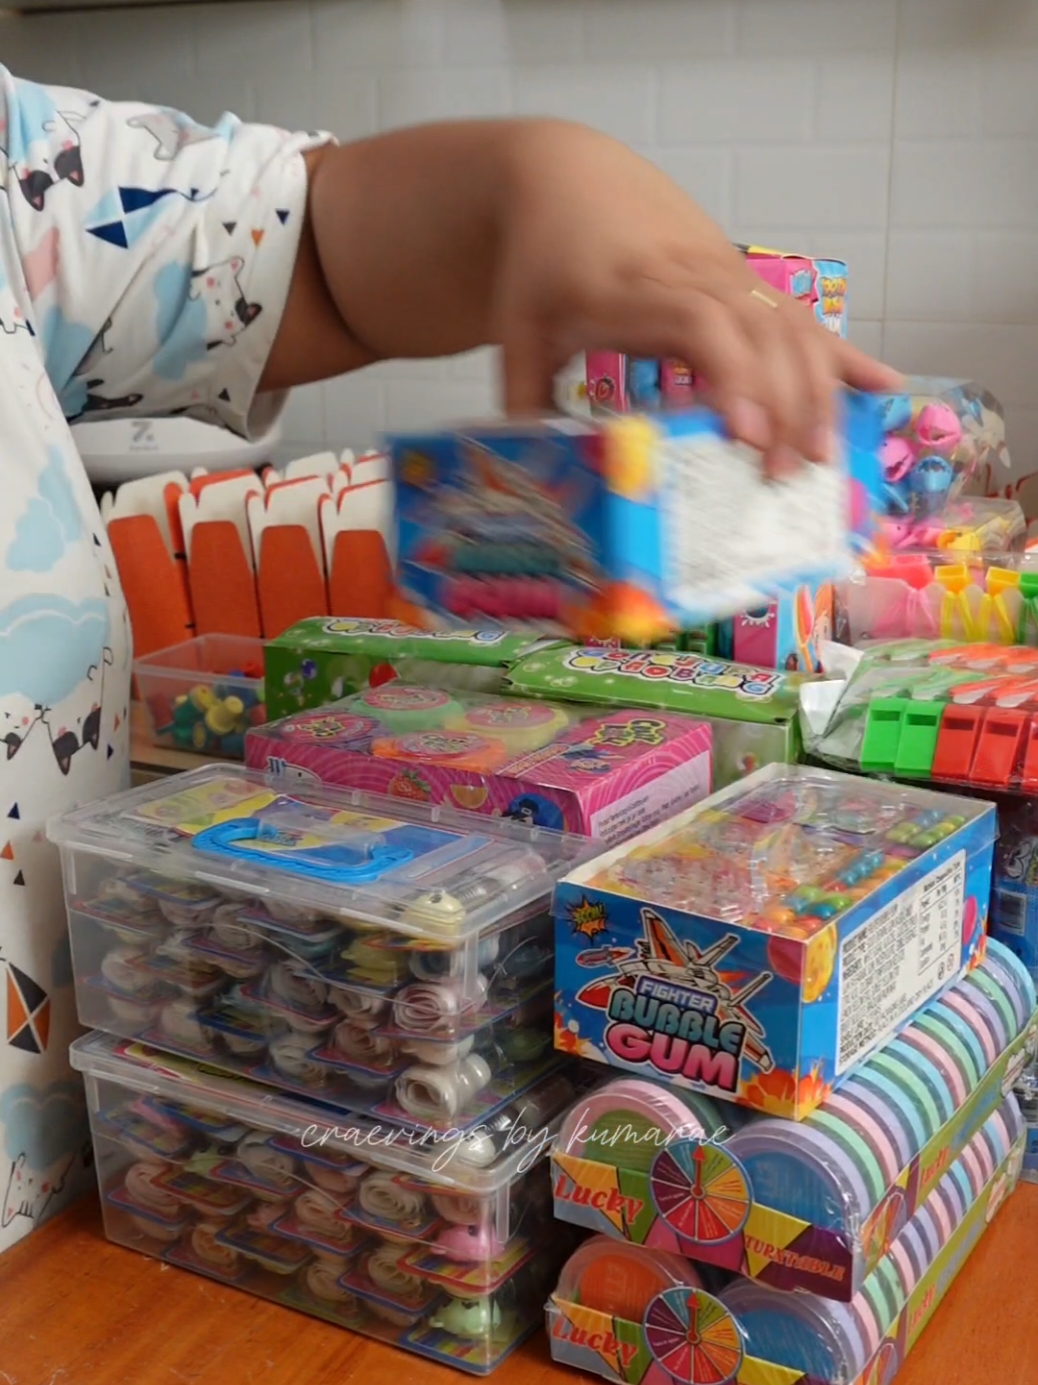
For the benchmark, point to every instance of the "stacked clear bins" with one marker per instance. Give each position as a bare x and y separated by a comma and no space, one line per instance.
384,956
867,1208
440,1245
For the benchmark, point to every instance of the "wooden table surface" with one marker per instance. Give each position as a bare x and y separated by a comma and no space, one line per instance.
75,1310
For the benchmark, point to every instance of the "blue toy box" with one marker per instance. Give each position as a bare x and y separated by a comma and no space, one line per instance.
759,945
632,528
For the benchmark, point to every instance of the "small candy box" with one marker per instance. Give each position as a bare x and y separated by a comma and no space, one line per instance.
633,528
443,1245
751,711
985,597
757,946
936,710
204,694
602,774
319,660
634,1314
378,954
938,434
816,1205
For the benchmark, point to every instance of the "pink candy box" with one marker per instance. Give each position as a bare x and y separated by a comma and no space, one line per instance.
607,773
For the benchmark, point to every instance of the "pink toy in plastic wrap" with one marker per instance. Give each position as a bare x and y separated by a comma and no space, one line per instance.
600,772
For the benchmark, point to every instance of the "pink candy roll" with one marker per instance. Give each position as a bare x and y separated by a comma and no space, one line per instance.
424,1007
929,1047
969,1012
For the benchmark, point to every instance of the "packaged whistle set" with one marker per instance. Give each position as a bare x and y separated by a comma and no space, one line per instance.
604,774
378,954
813,1205
625,528
736,950
633,1314
969,526
937,710
443,1246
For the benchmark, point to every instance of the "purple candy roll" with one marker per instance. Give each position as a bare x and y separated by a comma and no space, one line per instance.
873,1113
913,1249
950,1191
928,1226
1012,963
1010,989
971,1011
951,1072
972,1161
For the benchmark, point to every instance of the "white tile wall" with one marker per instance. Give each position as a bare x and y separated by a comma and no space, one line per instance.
902,134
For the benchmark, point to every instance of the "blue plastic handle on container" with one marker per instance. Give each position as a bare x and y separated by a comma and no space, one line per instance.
334,864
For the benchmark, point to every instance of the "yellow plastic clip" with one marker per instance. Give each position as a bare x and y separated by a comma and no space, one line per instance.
1000,579
953,577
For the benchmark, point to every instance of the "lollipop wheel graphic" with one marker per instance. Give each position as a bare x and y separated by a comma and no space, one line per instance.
693,1337
700,1191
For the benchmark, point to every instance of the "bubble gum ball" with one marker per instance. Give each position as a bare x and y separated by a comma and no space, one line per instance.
897,456
938,428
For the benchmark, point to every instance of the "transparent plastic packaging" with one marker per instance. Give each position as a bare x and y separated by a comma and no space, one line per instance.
980,597
204,694
618,1307
443,1247
732,949
377,954
681,1172
936,710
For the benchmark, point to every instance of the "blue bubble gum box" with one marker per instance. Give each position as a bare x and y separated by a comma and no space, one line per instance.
759,945
629,527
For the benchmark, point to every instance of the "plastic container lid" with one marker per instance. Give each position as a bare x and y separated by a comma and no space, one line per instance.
421,871
480,1164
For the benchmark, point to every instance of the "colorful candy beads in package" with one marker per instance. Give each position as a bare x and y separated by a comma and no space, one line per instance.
737,949
605,774
937,710
630,1313
815,1205
378,954
633,528
442,1247
939,434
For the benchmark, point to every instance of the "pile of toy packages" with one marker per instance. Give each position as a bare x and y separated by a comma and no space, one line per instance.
353,1002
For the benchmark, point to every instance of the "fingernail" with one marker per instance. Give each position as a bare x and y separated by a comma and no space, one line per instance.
750,423
783,463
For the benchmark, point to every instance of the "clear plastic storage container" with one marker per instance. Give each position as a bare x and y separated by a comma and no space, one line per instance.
380,955
204,694
442,1245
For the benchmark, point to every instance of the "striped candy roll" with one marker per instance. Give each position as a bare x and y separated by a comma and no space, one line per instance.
802,1172
1009,1123
928,1227
867,1323
1024,980
1009,987
969,1011
951,1073
649,1116
947,1026
878,1088
999,1132
943,1210
929,1074
620,1279
915,1087
850,1326
987,1153
960,1175
792,1330
984,982
973,1163
869,1127
883,1292
912,1249
857,1147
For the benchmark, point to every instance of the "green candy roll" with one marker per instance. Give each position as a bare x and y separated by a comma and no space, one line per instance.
912,1085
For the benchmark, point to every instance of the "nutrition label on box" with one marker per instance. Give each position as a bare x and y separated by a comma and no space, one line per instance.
897,960
731,533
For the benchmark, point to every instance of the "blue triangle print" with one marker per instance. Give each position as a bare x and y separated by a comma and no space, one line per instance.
283,217
108,209
114,233
15,812
111,752
133,199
